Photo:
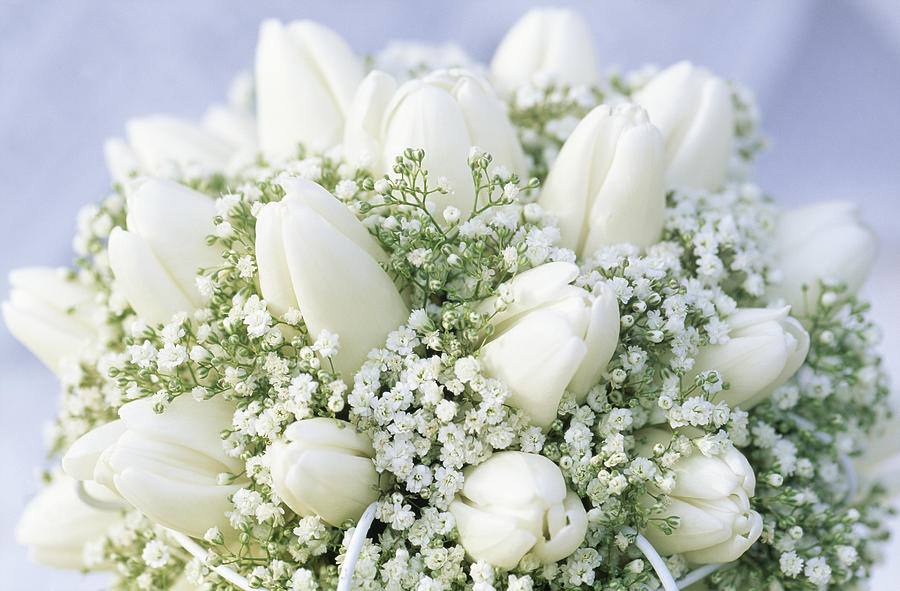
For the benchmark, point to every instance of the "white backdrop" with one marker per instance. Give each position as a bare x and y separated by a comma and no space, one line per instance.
827,75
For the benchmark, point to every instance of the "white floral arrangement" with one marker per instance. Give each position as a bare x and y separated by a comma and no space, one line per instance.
447,326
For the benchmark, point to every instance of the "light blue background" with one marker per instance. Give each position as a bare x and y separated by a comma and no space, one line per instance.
827,76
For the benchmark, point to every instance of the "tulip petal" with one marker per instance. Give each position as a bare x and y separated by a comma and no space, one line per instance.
322,202
705,147
271,260
81,458
194,425
334,485
565,540
532,288
160,140
175,221
601,340
144,281
183,506
537,358
546,43
321,431
362,133
629,206
56,525
425,116
339,288
305,76
496,539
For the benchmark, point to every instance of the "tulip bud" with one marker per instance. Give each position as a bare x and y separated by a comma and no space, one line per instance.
325,468
514,503
821,242
553,337
315,256
545,45
167,465
693,110
156,261
57,524
161,142
53,316
711,500
606,185
305,77
765,348
445,113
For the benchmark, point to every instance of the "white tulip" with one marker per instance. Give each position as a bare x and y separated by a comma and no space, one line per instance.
445,113
315,256
822,242
325,468
765,348
711,498
305,78
693,110
553,337
52,315
161,141
167,465
546,45
606,185
156,261
515,503
56,525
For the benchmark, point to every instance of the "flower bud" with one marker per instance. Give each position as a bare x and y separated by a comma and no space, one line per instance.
553,337
693,110
315,256
765,348
156,261
445,113
606,186
325,468
52,315
160,142
305,77
711,500
515,503
821,242
167,465
57,524
545,45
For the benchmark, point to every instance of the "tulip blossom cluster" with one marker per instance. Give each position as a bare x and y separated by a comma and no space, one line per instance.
532,317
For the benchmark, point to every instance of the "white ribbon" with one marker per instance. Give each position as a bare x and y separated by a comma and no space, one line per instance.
663,572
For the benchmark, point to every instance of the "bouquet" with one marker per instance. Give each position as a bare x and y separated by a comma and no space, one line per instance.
424,324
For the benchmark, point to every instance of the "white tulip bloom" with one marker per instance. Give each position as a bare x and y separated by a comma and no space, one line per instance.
315,256
56,525
606,185
693,110
445,113
156,261
515,503
822,242
167,465
711,498
167,146
552,337
52,315
546,45
325,468
305,78
766,347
